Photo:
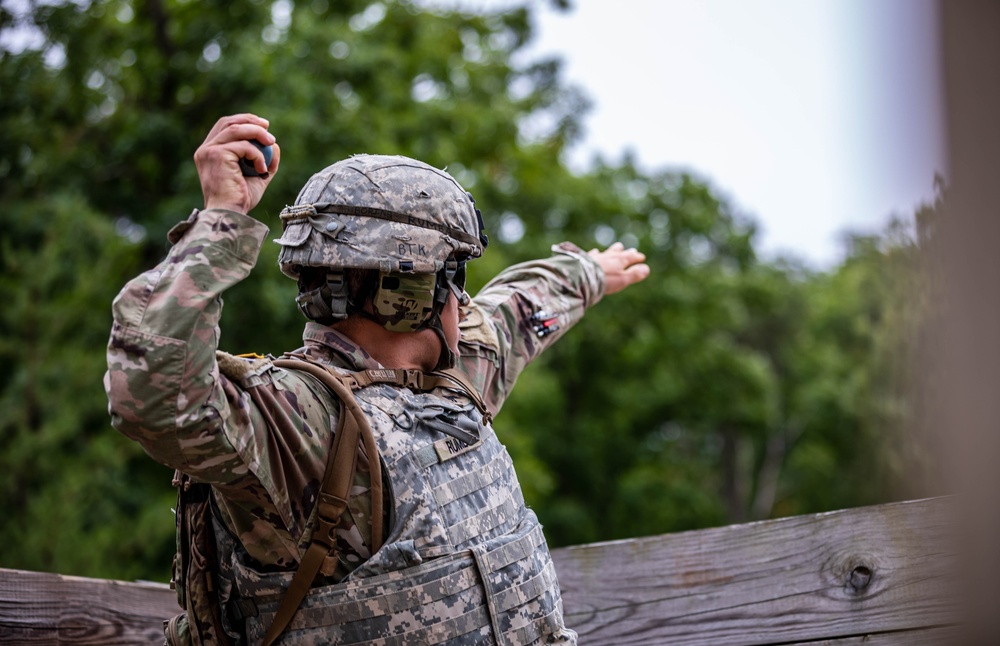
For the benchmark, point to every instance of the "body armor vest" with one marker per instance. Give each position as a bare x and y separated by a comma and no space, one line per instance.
465,561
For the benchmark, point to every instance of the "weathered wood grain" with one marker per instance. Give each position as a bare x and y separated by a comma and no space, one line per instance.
946,636
878,576
40,608
847,573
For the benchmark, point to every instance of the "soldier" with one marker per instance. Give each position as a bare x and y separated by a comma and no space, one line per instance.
432,542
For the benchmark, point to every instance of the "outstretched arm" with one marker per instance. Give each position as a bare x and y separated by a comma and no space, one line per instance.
529,306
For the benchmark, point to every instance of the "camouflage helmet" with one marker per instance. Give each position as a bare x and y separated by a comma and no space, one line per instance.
389,213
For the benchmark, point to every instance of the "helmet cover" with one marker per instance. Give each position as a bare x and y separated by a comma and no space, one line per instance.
389,213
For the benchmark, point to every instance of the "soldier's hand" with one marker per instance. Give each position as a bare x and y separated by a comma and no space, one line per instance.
217,159
622,267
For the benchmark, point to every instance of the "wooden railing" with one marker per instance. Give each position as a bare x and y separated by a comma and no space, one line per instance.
875,575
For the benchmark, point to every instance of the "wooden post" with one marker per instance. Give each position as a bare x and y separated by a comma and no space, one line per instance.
965,370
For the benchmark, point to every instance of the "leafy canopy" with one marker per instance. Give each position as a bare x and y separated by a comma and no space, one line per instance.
723,388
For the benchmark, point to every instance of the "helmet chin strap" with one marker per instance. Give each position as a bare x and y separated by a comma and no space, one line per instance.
328,301
446,285
444,288
447,359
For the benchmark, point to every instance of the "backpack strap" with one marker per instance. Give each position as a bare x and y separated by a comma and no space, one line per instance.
451,379
352,428
193,571
459,378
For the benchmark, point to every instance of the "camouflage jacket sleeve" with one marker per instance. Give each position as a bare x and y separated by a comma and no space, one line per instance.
258,434
163,381
499,338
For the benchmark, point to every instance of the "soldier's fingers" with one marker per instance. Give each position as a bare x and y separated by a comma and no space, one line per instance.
635,273
625,257
229,151
242,132
233,119
633,256
259,160
243,148
617,279
275,158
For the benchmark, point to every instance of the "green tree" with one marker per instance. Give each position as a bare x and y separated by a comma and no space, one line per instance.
102,113
75,497
723,388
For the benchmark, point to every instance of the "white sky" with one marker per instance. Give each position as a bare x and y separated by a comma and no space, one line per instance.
811,116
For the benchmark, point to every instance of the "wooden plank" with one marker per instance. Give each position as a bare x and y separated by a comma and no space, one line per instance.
807,578
928,637
877,576
51,609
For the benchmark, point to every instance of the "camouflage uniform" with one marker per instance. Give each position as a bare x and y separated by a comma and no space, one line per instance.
259,434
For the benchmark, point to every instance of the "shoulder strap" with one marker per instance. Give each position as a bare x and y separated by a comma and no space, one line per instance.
462,380
352,427
452,379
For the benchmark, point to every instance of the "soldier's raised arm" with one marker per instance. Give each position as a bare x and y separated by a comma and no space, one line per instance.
162,382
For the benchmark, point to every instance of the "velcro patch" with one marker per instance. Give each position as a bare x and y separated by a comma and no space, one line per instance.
476,329
239,367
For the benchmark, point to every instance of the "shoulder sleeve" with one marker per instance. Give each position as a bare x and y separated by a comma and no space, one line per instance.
163,382
259,434
503,329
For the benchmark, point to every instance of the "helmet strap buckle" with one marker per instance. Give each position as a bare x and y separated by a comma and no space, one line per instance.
451,282
328,301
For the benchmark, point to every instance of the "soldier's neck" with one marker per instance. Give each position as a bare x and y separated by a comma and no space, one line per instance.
409,350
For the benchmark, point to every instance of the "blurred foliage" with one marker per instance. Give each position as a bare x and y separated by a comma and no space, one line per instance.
724,388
